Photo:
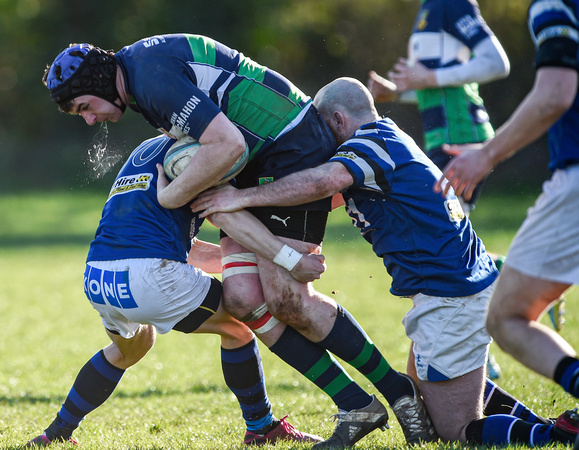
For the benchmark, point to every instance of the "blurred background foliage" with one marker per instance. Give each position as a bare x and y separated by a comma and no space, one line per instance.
309,41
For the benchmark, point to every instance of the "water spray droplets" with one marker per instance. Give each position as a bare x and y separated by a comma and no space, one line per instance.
100,159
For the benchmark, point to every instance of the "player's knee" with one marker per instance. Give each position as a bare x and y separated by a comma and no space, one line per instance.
288,308
124,353
139,346
234,334
240,303
242,291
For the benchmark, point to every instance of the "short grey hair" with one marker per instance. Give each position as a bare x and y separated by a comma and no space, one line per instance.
347,95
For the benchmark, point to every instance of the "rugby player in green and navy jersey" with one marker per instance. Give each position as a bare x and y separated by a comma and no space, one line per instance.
430,250
192,85
451,50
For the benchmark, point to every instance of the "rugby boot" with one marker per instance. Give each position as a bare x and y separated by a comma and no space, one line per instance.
354,425
568,422
566,427
57,431
283,431
43,441
413,417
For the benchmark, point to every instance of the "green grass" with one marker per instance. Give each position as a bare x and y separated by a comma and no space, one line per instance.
176,397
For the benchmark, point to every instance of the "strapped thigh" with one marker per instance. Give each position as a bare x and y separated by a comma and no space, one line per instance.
260,320
238,263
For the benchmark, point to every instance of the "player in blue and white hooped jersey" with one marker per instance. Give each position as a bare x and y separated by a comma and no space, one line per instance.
138,279
543,259
430,250
410,232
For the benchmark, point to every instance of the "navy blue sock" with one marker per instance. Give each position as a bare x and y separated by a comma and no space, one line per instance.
243,374
95,382
349,341
567,375
321,368
498,401
502,429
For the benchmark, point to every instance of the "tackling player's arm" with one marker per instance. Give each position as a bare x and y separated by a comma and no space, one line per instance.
245,229
295,189
221,146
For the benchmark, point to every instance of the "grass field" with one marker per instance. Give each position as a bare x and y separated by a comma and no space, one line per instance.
176,397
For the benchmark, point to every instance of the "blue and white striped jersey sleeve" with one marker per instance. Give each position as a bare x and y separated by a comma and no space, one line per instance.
368,161
555,32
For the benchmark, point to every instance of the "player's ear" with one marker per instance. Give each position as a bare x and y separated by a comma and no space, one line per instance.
338,119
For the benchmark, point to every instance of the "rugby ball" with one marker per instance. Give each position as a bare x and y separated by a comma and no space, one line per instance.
180,153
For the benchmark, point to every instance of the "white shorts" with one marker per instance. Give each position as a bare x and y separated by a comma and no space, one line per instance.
449,334
547,244
130,292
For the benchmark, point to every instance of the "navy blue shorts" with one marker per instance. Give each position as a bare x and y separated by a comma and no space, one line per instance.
305,226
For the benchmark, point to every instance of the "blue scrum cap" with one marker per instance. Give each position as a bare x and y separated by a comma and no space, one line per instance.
83,69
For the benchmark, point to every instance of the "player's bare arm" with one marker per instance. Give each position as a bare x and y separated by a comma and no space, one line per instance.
488,62
224,198
245,229
295,189
552,94
221,145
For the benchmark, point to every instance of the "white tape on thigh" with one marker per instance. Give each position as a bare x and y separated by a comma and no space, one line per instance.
238,263
260,320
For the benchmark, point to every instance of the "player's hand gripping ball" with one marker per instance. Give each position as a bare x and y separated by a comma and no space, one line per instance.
180,153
